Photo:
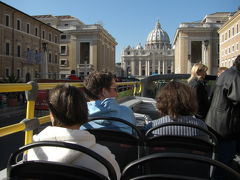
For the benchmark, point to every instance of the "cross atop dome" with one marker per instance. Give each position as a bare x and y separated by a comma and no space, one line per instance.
158,25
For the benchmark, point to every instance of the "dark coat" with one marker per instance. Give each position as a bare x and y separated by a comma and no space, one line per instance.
224,113
202,97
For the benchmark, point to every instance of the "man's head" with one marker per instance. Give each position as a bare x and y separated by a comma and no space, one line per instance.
100,85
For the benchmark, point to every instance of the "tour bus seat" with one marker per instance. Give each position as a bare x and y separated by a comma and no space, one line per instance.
41,170
170,173
196,145
126,147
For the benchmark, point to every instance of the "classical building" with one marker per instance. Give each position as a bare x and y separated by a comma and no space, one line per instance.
83,48
29,48
198,42
155,58
229,35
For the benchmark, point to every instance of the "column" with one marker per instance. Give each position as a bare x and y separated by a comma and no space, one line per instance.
140,68
146,68
159,67
163,66
133,68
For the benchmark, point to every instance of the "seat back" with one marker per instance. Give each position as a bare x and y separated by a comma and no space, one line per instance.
196,145
170,173
54,170
126,147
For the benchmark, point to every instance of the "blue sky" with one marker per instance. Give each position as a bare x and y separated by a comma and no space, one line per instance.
128,21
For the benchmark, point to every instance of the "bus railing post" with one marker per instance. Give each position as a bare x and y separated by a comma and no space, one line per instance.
31,99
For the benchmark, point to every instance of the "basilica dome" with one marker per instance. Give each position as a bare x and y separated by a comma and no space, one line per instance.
158,38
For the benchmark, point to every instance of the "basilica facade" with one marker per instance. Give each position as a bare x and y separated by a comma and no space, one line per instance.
156,57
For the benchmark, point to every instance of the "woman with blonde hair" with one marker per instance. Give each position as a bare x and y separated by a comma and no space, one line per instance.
196,80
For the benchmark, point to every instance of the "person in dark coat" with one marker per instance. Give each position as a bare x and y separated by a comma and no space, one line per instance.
198,73
224,112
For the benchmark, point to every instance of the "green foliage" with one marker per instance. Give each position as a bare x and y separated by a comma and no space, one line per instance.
11,79
125,93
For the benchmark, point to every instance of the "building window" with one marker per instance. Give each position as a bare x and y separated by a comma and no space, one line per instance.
225,36
229,33
56,59
63,36
43,34
233,48
237,28
18,24
49,57
233,31
36,31
18,51
222,38
7,49
63,49
50,37
7,20
63,62
18,73
56,39
7,72
28,28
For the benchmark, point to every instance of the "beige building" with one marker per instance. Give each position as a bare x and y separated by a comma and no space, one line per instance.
83,48
198,42
155,58
29,49
229,35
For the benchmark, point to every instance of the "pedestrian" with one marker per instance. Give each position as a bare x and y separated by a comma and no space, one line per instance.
73,76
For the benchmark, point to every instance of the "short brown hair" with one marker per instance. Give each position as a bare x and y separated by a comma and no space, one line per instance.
95,82
175,99
68,105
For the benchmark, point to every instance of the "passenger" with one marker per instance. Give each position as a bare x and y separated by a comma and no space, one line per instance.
221,70
177,103
198,74
101,90
68,111
224,113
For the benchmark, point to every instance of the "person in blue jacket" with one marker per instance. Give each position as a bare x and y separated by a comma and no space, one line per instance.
101,90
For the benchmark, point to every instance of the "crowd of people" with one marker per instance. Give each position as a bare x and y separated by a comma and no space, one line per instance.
70,108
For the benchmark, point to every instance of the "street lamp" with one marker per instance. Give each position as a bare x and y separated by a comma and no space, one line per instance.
45,70
206,43
44,46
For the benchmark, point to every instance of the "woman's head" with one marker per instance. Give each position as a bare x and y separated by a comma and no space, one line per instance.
198,71
175,99
67,106
100,85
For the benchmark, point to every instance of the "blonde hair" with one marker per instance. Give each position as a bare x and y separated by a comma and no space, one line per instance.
221,70
196,69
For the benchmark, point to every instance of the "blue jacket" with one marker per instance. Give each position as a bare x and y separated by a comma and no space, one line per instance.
109,108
